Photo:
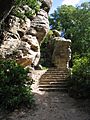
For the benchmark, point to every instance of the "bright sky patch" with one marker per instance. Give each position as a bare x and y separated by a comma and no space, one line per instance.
70,2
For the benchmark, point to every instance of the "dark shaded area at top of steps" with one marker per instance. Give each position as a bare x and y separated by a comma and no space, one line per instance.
54,80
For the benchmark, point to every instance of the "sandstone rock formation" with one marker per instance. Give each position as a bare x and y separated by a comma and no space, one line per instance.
46,5
62,53
22,38
39,25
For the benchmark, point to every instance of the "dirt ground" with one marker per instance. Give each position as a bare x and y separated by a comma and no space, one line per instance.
51,106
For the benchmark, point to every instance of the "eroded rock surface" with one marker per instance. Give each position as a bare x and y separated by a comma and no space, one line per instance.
46,4
22,37
62,53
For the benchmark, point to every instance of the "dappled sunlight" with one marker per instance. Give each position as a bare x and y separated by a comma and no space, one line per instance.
37,91
36,75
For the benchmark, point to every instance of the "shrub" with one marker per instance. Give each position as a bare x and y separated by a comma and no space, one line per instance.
15,85
33,4
80,80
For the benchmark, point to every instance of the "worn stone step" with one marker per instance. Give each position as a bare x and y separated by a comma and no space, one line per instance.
57,72
53,83
53,77
52,86
44,76
57,69
53,80
60,75
53,89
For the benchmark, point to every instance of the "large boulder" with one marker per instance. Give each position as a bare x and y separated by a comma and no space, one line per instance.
62,53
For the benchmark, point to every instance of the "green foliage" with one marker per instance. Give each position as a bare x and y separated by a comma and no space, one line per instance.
62,17
74,22
15,85
33,4
30,13
18,13
80,80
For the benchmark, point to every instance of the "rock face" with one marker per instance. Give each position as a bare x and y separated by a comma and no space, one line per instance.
46,5
62,53
39,25
22,38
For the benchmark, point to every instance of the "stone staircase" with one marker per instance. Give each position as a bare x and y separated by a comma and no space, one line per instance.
54,80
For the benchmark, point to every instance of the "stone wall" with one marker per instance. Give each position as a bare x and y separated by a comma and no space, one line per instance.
21,38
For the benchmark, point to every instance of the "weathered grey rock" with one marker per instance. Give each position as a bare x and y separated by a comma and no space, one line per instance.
56,33
26,51
18,26
22,37
40,25
30,51
10,44
62,53
46,4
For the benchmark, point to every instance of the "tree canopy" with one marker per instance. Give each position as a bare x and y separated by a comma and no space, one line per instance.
74,22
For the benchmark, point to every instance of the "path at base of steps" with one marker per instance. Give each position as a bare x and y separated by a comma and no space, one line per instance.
53,106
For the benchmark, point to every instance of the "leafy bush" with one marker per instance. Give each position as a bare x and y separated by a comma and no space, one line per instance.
15,85
80,80
33,4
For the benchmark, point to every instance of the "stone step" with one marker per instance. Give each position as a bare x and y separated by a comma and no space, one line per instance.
57,69
52,86
57,73
53,89
50,70
53,77
53,80
54,74
53,83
